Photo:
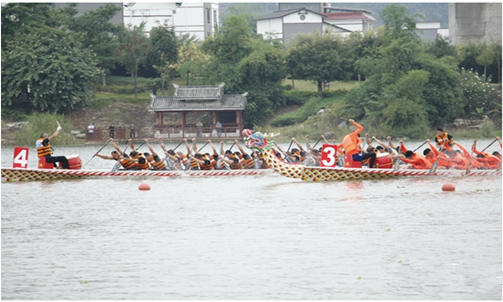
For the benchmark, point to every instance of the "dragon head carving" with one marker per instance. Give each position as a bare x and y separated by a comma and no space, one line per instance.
257,140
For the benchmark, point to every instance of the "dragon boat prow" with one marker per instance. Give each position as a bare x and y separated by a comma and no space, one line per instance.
262,143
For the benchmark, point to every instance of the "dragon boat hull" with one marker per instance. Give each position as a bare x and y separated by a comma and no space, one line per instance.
306,173
18,174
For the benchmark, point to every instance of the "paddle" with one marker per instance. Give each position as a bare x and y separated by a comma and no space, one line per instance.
289,146
489,145
232,145
317,143
420,146
178,145
96,153
140,146
434,166
202,147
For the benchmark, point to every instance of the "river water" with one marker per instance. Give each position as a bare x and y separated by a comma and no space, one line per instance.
250,237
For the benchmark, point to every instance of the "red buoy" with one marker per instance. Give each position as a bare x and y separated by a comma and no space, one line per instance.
448,187
144,187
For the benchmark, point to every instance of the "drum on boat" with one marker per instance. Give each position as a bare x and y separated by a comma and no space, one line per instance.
383,161
73,160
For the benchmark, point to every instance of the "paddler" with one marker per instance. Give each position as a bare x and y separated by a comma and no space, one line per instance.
141,162
44,149
119,156
352,146
488,160
156,163
444,140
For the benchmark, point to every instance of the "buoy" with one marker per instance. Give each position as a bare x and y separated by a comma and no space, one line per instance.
448,187
144,187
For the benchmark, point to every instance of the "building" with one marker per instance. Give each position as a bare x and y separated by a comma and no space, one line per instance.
197,99
428,30
475,22
194,18
295,18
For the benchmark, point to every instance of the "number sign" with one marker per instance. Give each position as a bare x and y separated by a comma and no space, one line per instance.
329,155
20,158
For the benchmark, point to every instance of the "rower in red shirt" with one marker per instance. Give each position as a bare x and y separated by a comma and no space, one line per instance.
486,160
416,160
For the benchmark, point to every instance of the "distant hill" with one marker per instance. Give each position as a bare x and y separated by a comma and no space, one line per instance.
432,11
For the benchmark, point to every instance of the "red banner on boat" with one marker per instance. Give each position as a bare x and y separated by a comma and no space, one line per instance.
328,155
20,158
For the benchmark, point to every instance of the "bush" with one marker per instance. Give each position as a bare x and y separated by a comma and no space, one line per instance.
281,121
45,122
295,97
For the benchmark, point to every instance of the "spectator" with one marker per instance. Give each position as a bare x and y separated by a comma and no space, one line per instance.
154,89
199,126
132,133
218,125
111,130
90,130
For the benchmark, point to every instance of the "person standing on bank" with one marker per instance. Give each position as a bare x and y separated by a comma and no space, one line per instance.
90,130
111,131
352,146
199,126
154,89
44,149
218,126
131,131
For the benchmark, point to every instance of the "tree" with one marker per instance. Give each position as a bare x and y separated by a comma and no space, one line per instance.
403,79
133,50
318,57
47,70
486,58
99,34
164,49
246,64
397,22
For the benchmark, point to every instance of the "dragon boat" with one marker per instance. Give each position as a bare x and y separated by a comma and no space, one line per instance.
19,174
46,171
264,144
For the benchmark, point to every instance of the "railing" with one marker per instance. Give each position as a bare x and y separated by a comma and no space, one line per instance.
166,132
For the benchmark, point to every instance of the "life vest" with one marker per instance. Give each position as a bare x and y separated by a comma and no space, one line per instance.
236,166
144,166
158,165
193,165
248,163
43,150
443,141
349,145
207,164
126,164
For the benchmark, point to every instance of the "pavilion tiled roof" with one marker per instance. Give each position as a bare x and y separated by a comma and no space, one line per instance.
199,98
198,92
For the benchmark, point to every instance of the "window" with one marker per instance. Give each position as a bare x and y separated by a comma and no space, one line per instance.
215,23
208,16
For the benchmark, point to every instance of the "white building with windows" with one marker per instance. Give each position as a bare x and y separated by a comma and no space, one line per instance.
294,18
199,19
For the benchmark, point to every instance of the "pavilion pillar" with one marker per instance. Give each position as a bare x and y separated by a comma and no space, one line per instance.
215,117
239,120
182,121
159,116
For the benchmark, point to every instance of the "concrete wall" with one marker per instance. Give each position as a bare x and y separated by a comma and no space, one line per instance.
475,22
289,30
